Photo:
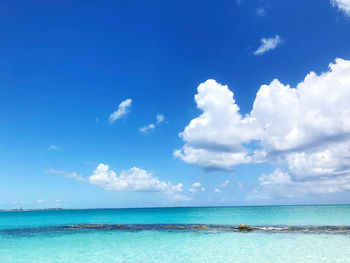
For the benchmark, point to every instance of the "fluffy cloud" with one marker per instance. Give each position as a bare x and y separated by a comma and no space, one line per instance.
276,178
123,110
343,5
134,179
281,184
215,138
305,129
268,44
195,187
159,119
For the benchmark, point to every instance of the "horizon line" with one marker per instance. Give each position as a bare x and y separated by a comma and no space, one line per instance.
155,207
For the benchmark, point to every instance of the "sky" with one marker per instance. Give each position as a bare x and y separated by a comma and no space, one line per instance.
114,104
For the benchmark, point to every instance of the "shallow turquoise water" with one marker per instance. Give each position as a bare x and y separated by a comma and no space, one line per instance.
18,243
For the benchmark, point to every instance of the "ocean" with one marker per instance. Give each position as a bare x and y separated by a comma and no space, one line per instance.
304,234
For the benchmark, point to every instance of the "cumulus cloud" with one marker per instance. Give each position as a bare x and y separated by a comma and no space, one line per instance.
134,179
123,110
159,119
217,190
215,138
277,177
195,187
305,130
268,44
282,184
343,5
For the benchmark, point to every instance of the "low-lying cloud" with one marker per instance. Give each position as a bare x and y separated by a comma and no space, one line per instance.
303,131
134,179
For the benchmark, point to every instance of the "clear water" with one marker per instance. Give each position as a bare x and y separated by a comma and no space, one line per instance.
19,243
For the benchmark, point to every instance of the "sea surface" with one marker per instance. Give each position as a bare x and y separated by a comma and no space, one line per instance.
296,234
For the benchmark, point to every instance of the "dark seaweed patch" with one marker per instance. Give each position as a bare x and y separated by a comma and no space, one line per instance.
80,228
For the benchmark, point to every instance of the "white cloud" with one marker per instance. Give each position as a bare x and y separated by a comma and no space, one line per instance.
305,130
73,175
239,185
39,201
216,190
53,171
180,197
196,184
215,138
195,187
134,179
268,44
260,11
193,190
326,161
123,110
55,147
343,5
159,119
281,184
277,177
224,184
147,128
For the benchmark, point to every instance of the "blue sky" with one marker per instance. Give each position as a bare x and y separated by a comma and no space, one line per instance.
66,67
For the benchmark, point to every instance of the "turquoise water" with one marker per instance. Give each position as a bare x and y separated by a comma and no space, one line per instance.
44,236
